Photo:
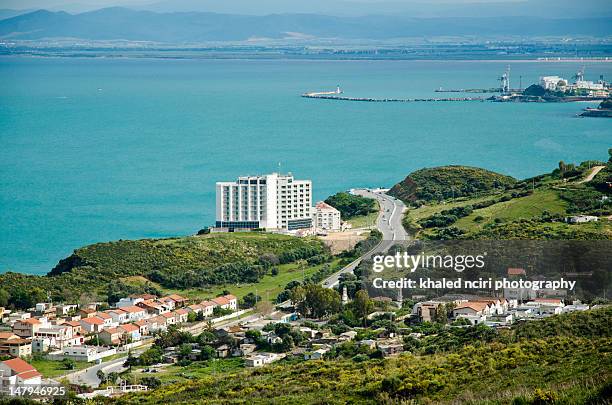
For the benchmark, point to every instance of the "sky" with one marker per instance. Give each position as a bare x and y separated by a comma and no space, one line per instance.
416,8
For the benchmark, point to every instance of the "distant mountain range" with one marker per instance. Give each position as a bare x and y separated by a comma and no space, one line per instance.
410,8
180,27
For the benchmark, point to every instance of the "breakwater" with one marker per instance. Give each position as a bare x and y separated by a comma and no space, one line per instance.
388,100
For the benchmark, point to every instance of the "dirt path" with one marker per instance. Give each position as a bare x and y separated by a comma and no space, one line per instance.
593,173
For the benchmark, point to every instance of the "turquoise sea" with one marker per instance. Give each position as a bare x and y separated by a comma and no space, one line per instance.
104,149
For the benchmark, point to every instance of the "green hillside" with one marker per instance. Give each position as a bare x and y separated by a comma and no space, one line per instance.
176,263
567,360
440,183
534,208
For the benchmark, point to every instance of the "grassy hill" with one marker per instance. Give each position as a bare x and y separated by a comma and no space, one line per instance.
439,183
197,261
534,208
563,360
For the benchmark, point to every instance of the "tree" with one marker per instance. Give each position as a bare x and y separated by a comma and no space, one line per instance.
250,300
314,300
207,352
69,364
101,376
4,298
363,305
151,382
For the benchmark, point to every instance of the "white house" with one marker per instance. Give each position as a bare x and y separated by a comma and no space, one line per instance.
92,325
118,315
260,359
18,373
318,353
134,313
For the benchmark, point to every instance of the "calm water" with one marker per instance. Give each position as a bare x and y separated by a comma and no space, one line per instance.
97,150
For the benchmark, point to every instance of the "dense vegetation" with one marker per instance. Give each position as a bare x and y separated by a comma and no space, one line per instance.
439,183
565,360
174,263
351,205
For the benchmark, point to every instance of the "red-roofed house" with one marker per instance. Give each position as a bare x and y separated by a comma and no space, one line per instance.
143,325
472,308
174,300
153,307
134,313
169,317
549,301
516,272
17,372
131,331
92,325
226,302
326,217
181,315
111,336
118,315
26,328
13,345
208,308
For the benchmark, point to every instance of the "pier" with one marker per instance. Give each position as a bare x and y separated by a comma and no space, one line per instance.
334,96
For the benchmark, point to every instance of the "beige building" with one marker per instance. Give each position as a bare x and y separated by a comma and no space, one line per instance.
326,217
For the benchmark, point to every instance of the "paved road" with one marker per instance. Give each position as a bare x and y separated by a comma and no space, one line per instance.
88,376
389,223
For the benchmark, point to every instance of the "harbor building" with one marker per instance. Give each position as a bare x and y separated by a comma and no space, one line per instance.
326,217
272,202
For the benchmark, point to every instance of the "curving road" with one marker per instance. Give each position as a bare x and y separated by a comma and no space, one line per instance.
389,223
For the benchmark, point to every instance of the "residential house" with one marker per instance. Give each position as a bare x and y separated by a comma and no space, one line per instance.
111,336
13,345
390,348
131,331
134,313
108,320
85,353
63,310
228,301
181,315
153,307
169,317
57,337
222,351
92,325
178,301
208,308
28,327
75,325
118,315
86,313
260,359
143,326
18,373
318,353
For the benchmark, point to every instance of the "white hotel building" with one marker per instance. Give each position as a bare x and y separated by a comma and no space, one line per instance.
272,202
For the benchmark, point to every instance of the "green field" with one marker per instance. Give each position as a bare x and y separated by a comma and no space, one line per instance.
268,287
54,368
170,374
517,208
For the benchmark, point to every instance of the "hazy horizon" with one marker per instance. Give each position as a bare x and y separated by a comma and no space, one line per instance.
414,8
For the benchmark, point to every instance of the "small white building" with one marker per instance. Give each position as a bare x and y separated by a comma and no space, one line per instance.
326,217
83,353
260,359
553,82
581,219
